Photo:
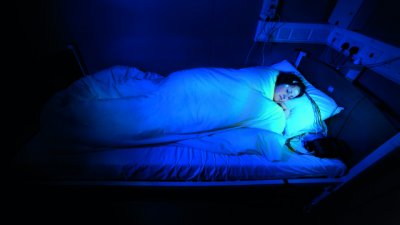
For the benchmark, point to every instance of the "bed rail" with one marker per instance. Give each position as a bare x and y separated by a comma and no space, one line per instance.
390,146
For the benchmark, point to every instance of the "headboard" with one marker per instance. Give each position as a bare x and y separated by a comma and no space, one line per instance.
361,124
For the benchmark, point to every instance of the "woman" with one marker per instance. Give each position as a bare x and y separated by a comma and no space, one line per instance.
287,86
121,106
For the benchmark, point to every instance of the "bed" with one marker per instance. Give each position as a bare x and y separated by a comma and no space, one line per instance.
233,156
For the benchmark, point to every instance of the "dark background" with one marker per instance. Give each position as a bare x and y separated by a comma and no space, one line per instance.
164,36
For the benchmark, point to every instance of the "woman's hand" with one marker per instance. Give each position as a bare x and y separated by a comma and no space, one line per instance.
285,109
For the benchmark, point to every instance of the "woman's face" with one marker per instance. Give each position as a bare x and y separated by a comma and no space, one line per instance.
284,92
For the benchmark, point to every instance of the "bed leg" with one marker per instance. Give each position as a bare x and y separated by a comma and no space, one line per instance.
325,193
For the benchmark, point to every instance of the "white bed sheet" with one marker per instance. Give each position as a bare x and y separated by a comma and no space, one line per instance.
174,162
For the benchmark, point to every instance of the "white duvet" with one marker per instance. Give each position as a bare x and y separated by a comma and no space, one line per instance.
123,106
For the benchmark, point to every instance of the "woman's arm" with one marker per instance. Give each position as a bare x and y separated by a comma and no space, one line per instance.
285,109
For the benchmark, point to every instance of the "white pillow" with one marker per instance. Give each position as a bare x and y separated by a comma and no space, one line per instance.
302,118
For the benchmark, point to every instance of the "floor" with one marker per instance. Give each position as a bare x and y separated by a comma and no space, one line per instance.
249,205
195,206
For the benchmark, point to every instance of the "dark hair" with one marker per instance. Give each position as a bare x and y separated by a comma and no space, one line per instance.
291,79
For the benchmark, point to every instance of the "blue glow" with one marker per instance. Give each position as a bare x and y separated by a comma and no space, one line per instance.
114,108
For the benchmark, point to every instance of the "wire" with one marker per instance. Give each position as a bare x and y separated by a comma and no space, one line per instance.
254,42
317,121
288,143
262,54
317,116
248,54
269,34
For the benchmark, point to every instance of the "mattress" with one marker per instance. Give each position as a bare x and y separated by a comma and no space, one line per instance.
172,162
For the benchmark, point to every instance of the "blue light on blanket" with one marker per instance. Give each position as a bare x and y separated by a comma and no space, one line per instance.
114,108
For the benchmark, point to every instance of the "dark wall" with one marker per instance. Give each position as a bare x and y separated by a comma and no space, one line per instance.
164,36
378,19
305,11
156,35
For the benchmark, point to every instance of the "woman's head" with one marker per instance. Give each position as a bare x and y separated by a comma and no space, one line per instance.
288,86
